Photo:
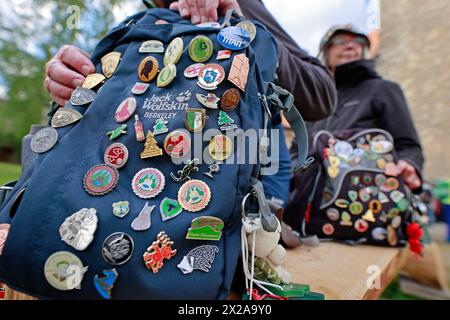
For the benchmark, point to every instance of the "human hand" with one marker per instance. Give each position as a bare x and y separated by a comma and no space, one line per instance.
66,71
200,11
406,171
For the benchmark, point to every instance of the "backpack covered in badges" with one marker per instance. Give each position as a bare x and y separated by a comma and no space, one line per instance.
347,197
117,203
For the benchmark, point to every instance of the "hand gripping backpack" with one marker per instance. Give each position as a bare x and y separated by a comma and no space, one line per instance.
92,219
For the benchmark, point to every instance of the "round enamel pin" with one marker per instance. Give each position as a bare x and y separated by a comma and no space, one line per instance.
234,38
230,100
44,140
100,179
117,248
361,225
116,155
148,183
64,271
166,76
248,26
220,147
4,230
125,110
148,69
333,214
328,229
210,76
193,70
177,144
194,195
174,51
201,49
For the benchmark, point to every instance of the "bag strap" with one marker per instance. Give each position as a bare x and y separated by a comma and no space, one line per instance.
276,96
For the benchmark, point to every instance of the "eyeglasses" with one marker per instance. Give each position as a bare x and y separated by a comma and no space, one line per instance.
338,41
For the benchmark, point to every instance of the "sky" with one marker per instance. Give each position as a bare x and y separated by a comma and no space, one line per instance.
307,21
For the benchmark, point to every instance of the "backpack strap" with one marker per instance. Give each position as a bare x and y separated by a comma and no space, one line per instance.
276,96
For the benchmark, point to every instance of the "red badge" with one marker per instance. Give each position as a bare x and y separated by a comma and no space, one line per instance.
177,144
116,155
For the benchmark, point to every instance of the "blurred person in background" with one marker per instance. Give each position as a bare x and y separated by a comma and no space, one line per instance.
365,100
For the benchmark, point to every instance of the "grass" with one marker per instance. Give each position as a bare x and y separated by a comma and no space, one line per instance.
9,172
393,292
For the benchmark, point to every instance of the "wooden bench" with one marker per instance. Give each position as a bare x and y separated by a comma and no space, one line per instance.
340,272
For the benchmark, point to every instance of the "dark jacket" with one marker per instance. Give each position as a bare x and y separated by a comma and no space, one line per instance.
365,100
303,75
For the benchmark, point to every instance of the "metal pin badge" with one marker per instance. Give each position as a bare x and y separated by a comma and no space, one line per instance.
200,258
184,174
79,228
143,221
104,284
160,250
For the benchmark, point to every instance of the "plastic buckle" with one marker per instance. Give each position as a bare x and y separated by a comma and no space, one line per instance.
279,97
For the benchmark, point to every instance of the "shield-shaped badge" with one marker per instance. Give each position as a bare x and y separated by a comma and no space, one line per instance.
195,119
110,63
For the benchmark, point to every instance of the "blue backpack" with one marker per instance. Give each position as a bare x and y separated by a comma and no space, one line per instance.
83,229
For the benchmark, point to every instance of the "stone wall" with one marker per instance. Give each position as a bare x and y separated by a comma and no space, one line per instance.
415,52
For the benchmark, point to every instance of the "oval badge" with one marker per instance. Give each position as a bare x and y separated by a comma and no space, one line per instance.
125,110
210,76
148,69
234,38
116,155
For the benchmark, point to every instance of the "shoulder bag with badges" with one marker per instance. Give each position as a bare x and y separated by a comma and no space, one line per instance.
115,205
346,196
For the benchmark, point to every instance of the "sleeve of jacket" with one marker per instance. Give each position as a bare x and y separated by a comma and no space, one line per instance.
304,76
395,117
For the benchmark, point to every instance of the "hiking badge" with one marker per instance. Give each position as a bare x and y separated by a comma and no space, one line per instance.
159,250
200,258
195,119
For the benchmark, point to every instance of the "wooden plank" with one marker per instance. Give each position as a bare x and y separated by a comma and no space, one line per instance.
340,271
14,295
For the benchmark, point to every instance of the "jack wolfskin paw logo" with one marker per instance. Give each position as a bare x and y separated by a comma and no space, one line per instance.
184,96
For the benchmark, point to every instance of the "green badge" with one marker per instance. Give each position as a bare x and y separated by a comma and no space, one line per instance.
353,195
205,228
166,76
402,205
346,219
291,290
195,119
174,52
341,203
201,49
356,208
169,209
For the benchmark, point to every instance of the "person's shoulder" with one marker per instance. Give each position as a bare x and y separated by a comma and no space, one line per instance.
387,85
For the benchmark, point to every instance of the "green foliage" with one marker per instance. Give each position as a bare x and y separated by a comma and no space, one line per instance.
9,172
30,34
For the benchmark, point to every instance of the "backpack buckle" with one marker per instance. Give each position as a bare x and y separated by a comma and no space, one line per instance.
279,97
